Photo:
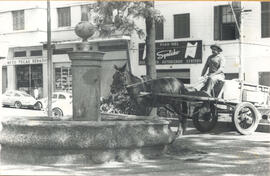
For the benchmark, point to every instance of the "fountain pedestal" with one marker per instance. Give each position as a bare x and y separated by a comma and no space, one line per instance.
85,68
87,137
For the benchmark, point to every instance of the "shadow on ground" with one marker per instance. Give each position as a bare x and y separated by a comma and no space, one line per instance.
221,152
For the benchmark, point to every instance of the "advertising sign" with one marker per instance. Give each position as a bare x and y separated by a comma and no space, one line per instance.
26,61
179,52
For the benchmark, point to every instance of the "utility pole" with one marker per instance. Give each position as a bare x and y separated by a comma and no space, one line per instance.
239,28
49,59
239,25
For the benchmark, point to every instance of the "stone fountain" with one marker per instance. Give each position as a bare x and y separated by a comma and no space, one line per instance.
89,137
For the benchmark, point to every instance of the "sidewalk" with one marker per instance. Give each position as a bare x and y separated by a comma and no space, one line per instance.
219,153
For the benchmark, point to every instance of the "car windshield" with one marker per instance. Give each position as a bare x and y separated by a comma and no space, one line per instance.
26,95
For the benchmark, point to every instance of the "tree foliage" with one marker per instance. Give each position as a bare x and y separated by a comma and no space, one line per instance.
119,16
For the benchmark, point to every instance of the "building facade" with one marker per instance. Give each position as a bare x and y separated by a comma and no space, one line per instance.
183,42
25,66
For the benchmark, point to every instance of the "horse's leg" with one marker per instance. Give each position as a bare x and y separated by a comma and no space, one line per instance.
181,110
184,109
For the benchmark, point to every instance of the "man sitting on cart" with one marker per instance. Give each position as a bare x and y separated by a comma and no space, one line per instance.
215,65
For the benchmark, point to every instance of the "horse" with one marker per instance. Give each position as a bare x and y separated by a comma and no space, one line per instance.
124,79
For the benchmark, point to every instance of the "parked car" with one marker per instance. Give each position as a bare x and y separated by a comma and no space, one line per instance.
61,104
19,99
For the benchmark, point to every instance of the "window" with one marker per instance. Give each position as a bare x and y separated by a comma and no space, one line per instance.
20,54
225,27
264,78
63,78
62,96
159,30
64,17
29,77
36,53
181,25
18,20
265,19
54,96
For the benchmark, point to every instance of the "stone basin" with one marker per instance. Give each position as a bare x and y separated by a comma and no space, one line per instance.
42,140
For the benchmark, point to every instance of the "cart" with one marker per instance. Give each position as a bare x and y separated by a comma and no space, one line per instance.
245,103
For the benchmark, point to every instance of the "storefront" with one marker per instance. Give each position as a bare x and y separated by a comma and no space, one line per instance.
27,66
26,74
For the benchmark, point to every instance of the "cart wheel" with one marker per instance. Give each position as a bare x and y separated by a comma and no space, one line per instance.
205,118
246,118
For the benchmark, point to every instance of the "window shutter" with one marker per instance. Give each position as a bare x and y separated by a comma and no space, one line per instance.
217,22
64,18
18,20
14,20
69,17
237,10
176,24
159,30
265,19
59,17
186,23
21,20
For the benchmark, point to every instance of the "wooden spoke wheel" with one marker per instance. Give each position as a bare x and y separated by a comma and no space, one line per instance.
246,118
205,117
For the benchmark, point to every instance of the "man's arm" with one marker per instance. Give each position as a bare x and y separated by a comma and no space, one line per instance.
205,67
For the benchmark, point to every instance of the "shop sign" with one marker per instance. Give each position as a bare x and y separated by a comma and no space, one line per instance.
26,61
180,52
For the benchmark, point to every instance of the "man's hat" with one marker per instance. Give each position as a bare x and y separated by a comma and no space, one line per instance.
216,47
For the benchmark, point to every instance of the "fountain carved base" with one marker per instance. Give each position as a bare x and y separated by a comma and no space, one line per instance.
45,141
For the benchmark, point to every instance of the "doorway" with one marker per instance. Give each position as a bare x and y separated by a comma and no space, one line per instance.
30,77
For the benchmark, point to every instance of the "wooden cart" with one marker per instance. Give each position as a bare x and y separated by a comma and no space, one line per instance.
245,103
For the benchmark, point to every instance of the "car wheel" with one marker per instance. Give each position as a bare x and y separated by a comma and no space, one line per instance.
38,105
18,104
57,112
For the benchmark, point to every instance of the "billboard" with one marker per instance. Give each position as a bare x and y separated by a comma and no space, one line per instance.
176,52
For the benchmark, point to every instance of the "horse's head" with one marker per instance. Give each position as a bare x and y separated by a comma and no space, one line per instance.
121,78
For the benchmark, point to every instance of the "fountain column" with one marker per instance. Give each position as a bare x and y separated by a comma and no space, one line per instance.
85,68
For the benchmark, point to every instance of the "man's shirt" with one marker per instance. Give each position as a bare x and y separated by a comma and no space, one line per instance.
216,62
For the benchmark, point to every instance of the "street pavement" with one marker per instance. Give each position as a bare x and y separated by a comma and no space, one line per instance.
223,152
